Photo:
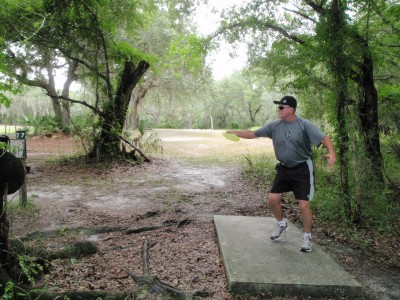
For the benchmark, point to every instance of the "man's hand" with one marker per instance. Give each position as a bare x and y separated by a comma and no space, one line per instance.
331,159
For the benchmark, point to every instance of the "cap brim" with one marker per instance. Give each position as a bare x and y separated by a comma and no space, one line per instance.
277,102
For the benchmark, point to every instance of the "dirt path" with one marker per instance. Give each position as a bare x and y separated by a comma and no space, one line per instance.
199,176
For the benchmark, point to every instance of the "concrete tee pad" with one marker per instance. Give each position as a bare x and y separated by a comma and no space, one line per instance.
254,263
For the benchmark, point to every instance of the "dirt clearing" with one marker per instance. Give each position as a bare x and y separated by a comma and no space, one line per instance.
198,176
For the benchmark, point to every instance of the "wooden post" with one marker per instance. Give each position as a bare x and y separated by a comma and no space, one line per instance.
23,198
21,135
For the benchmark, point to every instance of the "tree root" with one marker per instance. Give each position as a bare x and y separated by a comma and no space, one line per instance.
147,228
84,295
156,285
100,230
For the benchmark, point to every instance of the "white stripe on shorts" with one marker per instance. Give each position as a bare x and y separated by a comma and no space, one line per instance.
311,170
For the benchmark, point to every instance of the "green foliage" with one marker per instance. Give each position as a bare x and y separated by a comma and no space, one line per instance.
327,204
82,129
191,48
6,84
44,125
149,142
389,109
259,169
127,51
12,291
30,208
392,140
30,268
391,156
375,205
378,210
78,249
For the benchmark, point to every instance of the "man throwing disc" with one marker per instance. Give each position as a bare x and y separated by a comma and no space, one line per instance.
292,138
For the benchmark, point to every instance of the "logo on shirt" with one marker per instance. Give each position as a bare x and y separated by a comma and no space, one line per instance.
287,134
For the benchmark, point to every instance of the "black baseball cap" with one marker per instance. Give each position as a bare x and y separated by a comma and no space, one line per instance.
287,100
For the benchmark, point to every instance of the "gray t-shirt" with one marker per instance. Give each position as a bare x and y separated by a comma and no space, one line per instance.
292,140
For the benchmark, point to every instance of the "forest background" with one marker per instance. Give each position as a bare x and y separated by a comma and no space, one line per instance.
130,65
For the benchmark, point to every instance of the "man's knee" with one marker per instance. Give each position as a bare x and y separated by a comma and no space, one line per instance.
274,198
304,205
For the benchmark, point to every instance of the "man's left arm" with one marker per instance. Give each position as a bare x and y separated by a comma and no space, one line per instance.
326,141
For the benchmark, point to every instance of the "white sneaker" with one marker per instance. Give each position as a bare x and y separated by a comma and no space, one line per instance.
306,246
276,234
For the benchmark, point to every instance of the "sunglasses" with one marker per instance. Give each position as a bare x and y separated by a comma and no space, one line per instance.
282,107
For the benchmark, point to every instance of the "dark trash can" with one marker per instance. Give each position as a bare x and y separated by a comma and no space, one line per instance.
12,171
5,139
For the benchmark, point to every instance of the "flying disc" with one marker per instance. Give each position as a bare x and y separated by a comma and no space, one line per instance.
231,136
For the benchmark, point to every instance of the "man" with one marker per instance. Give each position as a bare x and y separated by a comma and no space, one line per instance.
292,138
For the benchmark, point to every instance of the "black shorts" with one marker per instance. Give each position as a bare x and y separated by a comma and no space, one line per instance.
298,179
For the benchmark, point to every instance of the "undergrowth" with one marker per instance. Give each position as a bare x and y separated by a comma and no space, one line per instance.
379,225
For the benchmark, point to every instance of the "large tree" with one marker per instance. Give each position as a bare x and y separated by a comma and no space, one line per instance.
102,39
326,48
85,33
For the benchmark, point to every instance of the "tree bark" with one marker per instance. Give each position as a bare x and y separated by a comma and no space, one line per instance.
339,65
107,144
136,98
65,105
368,107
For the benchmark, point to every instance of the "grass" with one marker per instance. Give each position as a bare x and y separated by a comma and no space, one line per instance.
210,148
10,129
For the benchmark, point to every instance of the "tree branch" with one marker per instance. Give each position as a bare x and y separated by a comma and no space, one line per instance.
301,15
316,7
84,103
249,23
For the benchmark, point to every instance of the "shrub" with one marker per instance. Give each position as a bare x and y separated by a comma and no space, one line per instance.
44,125
260,169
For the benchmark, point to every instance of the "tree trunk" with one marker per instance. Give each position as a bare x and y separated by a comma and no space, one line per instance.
65,105
343,141
50,87
369,116
107,144
136,98
339,65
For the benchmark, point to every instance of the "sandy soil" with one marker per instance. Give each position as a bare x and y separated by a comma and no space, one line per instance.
198,176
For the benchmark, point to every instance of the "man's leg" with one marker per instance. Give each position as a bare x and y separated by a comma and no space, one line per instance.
306,216
274,201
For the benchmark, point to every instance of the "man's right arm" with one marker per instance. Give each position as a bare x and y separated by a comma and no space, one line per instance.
245,134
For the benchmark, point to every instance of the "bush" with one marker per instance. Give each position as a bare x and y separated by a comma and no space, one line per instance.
260,169
82,128
392,139
44,125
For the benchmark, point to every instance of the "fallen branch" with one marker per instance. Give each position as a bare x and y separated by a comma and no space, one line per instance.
87,295
146,228
183,222
146,159
155,285
147,215
76,230
150,228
